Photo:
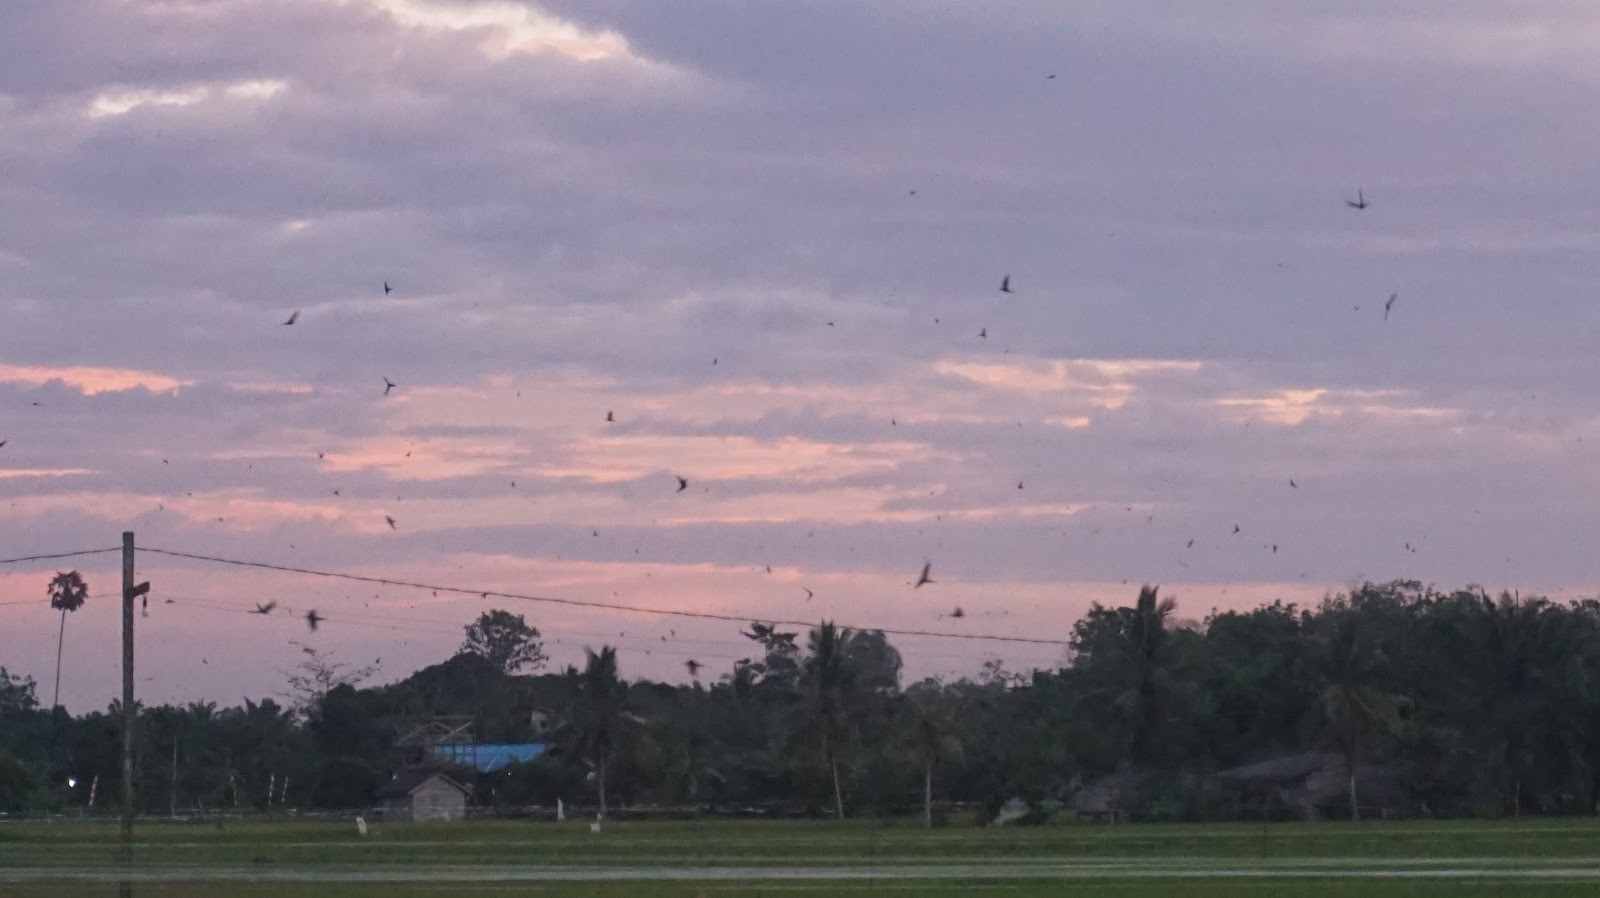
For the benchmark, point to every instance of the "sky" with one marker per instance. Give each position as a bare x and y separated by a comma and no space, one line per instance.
769,240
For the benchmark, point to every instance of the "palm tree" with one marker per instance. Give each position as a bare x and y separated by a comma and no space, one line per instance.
929,735
826,688
598,724
1148,639
1352,702
1522,639
67,592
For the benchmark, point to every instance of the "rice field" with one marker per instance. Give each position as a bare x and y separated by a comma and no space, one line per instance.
272,859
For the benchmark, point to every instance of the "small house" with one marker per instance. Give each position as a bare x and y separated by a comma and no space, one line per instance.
423,796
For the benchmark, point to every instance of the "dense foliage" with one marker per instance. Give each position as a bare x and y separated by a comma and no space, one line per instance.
1463,703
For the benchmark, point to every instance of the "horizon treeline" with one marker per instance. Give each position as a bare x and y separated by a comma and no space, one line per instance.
1464,704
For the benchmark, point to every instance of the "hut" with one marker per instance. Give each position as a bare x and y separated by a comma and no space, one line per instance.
423,796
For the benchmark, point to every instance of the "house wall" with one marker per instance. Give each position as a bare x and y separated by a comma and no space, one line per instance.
436,800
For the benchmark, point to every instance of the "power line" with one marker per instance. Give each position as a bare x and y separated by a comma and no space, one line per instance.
680,646
58,555
580,603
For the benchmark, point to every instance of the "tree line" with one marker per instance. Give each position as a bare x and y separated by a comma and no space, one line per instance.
1464,704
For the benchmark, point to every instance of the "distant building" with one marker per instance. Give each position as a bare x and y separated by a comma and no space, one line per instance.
423,796
486,757
1316,785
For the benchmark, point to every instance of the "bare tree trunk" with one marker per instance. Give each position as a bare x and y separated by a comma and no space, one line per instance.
927,794
172,796
1355,812
60,636
838,798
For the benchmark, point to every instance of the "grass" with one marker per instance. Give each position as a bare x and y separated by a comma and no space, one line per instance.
278,859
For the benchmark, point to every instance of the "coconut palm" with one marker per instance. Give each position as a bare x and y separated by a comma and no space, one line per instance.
928,735
826,687
1353,702
1144,703
67,593
598,724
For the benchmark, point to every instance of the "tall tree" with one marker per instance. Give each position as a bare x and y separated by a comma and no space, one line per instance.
827,688
1354,703
597,724
505,639
67,593
317,674
929,734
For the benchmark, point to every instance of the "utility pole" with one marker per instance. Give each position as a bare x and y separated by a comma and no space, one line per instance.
130,591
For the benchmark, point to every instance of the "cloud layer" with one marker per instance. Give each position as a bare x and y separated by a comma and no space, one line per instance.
769,240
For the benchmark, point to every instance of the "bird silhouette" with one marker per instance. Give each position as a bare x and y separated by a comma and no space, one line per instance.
1360,202
295,316
313,619
1389,305
925,576
809,594
610,418
1293,484
984,333
264,609
388,385
958,612
1189,545
391,522
387,289
682,483
1005,284
693,666
3,443
1019,484
1235,528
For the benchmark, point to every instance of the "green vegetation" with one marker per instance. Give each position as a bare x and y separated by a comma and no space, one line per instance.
1393,701
808,857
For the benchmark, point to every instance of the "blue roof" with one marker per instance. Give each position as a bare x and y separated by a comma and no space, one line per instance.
488,757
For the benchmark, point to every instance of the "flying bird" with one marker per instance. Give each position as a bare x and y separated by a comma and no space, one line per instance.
610,418
693,666
1235,528
264,609
1190,544
809,594
1360,202
984,333
295,316
387,289
1005,284
1389,305
3,443
391,522
925,576
313,618
388,385
1019,484
682,483
958,612
1293,484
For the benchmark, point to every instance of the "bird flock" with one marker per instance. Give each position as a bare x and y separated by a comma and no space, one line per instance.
313,618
